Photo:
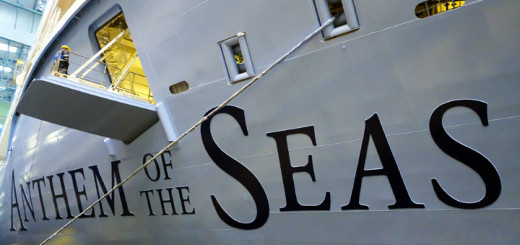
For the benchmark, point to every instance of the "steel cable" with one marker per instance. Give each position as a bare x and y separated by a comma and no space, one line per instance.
256,78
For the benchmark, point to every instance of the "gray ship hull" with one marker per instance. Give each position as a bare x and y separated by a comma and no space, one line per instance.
405,131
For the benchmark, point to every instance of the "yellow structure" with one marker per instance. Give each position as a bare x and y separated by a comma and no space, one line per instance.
123,64
433,7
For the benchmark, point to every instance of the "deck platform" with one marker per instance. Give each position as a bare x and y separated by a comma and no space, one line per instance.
80,106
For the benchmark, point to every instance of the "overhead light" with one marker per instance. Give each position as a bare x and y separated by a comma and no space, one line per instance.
6,69
5,47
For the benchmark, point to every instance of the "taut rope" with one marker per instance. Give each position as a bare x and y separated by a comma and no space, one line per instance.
256,78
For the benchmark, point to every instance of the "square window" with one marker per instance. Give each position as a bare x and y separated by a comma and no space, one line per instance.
345,12
237,59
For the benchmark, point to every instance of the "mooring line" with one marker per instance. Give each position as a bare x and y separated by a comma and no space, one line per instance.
280,60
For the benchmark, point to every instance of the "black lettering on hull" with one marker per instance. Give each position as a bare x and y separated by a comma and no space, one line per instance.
292,203
467,156
390,170
235,170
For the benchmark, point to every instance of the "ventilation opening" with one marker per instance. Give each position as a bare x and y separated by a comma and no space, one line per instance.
179,87
237,60
346,18
433,7
122,61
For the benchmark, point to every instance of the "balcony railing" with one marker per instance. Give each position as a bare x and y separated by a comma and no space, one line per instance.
105,76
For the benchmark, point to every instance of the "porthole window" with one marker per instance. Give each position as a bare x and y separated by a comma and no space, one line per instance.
345,13
237,60
433,7
179,87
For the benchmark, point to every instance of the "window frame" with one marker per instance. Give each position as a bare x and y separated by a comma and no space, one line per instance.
226,49
323,14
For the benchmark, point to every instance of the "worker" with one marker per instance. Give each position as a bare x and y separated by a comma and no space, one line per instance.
62,56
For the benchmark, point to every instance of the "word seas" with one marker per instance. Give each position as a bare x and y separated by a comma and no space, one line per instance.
373,129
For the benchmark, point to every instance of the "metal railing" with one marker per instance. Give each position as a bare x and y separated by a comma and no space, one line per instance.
103,75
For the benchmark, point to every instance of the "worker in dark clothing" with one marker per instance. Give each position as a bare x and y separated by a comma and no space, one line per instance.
62,56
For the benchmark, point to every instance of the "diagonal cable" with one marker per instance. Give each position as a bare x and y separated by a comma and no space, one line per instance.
256,78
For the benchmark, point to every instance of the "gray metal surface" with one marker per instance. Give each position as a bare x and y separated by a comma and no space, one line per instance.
395,65
81,107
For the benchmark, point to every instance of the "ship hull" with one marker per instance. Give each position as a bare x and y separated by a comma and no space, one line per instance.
402,132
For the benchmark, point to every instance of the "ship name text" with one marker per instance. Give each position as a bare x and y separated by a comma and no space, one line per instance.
176,200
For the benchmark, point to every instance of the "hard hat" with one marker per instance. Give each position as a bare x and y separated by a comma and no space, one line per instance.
66,47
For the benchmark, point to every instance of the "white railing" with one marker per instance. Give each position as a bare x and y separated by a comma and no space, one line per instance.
106,76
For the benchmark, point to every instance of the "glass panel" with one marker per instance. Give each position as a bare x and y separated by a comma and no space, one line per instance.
12,55
123,64
179,87
433,7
